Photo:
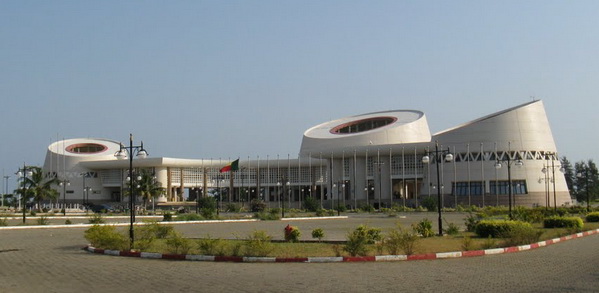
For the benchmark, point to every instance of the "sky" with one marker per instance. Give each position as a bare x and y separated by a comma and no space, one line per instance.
228,79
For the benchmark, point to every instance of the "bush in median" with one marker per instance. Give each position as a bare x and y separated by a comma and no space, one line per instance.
497,228
592,217
563,222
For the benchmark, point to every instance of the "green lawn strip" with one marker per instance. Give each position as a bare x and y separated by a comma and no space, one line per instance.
315,249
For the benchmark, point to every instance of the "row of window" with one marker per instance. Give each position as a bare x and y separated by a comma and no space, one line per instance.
495,187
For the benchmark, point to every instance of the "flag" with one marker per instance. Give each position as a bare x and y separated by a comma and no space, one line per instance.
233,166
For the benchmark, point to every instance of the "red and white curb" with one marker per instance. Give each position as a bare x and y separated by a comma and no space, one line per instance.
379,258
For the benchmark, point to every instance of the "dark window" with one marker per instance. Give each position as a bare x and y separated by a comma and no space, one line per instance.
501,187
461,188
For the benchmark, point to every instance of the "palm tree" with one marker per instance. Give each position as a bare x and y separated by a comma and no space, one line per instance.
37,187
147,187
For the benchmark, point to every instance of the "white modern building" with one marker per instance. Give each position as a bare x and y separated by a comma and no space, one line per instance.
374,158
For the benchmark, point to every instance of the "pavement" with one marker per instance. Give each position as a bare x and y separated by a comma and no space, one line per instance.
51,260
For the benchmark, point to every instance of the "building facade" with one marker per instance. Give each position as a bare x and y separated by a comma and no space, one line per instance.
371,159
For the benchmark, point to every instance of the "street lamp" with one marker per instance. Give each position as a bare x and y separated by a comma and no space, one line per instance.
64,184
544,170
285,185
5,187
586,186
509,163
446,154
379,164
24,174
86,190
122,154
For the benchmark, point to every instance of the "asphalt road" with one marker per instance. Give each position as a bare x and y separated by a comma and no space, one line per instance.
51,260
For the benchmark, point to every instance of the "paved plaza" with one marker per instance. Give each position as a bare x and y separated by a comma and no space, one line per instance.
51,260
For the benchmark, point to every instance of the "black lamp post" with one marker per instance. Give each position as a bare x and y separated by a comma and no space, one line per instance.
122,154
5,188
197,190
64,184
446,154
23,174
544,170
509,162
285,185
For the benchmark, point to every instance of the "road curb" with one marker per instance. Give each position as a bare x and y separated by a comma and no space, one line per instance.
381,258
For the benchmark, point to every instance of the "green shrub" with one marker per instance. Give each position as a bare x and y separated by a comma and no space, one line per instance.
210,246
177,244
520,235
106,237
535,215
43,220
311,204
424,228
3,222
257,205
563,222
471,221
467,244
96,219
401,208
155,230
189,217
341,208
32,213
429,203
68,222
497,228
167,217
258,244
367,208
400,239
358,240
324,212
452,229
233,208
318,233
272,215
489,243
592,217
292,234
207,207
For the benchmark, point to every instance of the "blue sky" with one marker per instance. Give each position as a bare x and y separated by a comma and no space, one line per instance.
210,79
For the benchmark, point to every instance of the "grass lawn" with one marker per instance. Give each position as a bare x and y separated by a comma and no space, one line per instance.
314,249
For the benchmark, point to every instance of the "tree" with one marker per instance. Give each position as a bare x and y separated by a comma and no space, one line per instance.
37,187
147,187
587,180
569,174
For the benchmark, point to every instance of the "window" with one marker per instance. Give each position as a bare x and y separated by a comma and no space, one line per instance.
501,187
461,188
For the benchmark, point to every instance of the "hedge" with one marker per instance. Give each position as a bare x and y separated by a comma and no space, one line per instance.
593,217
497,228
563,222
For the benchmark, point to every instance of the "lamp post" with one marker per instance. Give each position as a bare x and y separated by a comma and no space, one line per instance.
122,154
24,174
446,154
64,184
586,186
509,162
379,164
86,190
553,166
285,185
197,190
5,188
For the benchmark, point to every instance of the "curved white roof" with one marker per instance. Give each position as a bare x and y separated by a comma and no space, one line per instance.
354,132
84,147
